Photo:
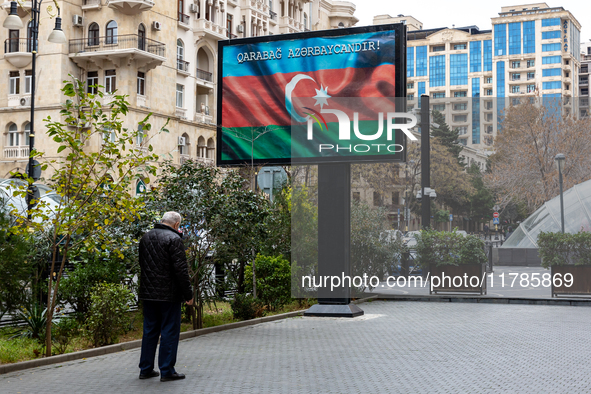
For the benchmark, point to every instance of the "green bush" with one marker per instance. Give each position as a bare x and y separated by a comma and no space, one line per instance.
63,331
562,249
448,248
246,307
107,318
273,279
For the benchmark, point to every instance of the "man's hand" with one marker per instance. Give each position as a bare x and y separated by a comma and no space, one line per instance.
191,302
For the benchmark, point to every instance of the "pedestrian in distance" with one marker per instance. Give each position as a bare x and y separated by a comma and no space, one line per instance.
509,232
486,231
164,285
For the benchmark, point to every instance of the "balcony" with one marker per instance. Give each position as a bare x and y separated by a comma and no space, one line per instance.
18,51
273,17
184,21
91,5
182,67
131,7
208,28
583,81
121,50
23,9
204,77
289,25
16,152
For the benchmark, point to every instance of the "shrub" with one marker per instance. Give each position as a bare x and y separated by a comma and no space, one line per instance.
106,318
35,318
246,307
444,247
273,279
64,329
562,249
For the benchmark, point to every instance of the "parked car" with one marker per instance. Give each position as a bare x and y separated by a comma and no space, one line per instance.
410,239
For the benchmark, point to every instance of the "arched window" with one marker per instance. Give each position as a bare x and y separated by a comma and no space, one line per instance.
305,21
141,37
184,144
93,34
210,149
141,134
341,25
111,36
30,37
201,148
27,134
13,135
180,54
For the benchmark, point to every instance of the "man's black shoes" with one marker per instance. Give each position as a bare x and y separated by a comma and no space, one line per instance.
152,374
174,376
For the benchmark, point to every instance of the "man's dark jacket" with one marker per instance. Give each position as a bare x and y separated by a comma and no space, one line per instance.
163,263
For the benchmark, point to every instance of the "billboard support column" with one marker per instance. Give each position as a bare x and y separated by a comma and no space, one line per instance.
334,240
425,162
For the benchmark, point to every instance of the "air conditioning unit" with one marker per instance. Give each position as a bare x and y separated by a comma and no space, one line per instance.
194,8
156,25
240,29
181,141
77,20
25,101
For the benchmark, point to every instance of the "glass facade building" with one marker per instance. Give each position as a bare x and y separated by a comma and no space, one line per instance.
458,69
475,56
437,71
421,61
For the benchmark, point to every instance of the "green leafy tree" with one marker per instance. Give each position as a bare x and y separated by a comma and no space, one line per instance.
482,200
94,185
446,136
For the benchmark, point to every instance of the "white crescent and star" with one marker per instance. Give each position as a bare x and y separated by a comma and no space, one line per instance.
321,96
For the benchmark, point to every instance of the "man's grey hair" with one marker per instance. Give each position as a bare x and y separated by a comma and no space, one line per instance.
171,218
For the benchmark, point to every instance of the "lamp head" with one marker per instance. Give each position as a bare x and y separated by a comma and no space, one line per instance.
560,159
57,35
13,21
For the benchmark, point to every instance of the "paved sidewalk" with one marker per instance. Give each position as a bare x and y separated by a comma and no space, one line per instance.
397,347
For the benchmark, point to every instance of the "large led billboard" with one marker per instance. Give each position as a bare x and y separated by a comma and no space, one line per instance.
332,95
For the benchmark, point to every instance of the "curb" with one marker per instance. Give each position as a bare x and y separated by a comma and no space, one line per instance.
83,354
488,300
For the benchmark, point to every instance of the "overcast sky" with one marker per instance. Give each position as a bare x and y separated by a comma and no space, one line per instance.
438,13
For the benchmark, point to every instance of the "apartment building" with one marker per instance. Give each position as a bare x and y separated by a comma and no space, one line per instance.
472,74
162,55
584,102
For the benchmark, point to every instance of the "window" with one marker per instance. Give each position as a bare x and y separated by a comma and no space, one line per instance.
438,48
111,36
109,135
395,198
439,107
458,69
489,117
551,47
460,107
531,63
13,40
410,85
180,54
460,118
179,95
141,135
462,130
475,56
30,37
28,81
529,37
489,105
410,61
531,76
500,39
439,95
548,35
437,71
141,83
488,79
376,199
421,61
228,25
551,85
551,72
459,47
515,38
421,90
489,92
500,79
13,135
141,37
515,64
487,55
515,89
551,22
551,59
14,82
305,20
28,134
93,34
110,81
515,77
462,93
476,87
91,82
410,96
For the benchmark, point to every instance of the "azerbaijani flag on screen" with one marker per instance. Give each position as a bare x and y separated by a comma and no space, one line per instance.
262,82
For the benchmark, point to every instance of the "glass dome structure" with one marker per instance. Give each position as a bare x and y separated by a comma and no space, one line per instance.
577,217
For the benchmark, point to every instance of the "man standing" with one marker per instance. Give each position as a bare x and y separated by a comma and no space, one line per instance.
164,285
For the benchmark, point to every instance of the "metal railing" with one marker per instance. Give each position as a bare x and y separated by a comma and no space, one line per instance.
205,75
91,2
184,19
113,43
12,45
182,65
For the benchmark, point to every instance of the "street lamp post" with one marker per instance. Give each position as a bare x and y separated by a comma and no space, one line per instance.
560,158
57,36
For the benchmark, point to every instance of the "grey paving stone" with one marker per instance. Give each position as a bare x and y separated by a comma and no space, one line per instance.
396,347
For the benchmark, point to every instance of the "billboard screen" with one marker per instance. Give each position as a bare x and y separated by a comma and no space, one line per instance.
340,88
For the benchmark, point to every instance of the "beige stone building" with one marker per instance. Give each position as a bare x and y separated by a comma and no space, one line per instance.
162,55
